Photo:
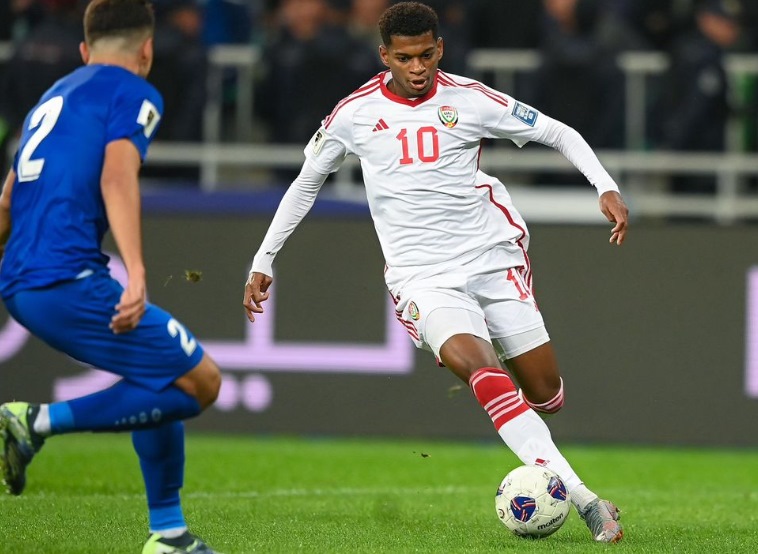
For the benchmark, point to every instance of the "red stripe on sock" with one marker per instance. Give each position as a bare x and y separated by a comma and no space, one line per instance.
497,394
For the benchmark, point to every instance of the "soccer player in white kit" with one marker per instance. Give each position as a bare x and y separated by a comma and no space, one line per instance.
454,246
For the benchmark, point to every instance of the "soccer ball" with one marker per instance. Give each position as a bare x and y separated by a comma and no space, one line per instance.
532,502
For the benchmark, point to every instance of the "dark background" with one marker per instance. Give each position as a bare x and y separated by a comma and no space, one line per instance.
650,336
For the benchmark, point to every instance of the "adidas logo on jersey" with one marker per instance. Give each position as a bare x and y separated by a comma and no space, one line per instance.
380,126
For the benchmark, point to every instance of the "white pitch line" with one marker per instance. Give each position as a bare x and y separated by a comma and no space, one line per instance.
282,493
342,491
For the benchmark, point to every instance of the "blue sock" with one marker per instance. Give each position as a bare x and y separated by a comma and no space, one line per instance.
161,457
122,407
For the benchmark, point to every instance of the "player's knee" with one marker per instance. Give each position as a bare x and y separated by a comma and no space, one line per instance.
551,401
203,382
466,354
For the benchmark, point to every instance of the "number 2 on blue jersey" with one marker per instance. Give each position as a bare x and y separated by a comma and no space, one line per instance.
44,119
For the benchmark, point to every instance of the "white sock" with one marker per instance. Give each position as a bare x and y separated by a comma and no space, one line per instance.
41,423
171,533
581,496
529,438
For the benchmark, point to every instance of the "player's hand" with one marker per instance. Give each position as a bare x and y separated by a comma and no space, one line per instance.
256,292
131,308
615,210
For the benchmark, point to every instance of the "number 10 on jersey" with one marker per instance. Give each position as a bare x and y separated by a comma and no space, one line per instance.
425,145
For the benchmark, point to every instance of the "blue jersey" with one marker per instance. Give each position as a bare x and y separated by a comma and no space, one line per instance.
57,210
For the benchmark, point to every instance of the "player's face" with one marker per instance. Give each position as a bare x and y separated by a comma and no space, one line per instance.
413,63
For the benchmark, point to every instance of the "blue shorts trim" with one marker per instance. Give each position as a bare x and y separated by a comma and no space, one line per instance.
73,317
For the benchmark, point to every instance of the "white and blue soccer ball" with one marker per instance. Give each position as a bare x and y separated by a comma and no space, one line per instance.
532,501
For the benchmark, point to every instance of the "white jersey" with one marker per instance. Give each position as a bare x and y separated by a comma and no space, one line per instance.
501,210
419,159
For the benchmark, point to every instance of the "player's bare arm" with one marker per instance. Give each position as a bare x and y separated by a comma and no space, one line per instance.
256,292
615,210
120,188
5,210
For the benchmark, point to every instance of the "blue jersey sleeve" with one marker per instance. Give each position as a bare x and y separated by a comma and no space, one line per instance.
136,112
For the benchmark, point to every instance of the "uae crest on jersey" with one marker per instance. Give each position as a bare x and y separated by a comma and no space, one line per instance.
413,311
448,116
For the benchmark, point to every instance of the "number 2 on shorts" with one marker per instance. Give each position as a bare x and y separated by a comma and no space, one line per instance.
187,343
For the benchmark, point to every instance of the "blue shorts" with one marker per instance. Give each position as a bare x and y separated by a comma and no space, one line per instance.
73,317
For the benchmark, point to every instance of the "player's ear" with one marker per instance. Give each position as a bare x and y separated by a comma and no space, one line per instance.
146,52
146,56
440,47
84,52
384,55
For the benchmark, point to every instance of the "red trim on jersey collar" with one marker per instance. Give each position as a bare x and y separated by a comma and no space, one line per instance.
407,101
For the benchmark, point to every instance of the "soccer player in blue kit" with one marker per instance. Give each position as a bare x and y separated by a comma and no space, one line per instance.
75,175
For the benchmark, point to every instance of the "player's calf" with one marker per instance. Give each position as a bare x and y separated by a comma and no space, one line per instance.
545,408
496,393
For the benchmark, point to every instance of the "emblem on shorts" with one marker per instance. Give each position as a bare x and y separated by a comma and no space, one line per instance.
448,116
413,311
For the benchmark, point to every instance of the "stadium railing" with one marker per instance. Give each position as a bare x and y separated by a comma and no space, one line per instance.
244,61
6,49
503,64
643,173
637,67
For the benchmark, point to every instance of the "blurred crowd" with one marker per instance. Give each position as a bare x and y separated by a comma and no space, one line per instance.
314,52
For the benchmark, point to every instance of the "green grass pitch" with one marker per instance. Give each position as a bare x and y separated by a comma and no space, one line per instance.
254,494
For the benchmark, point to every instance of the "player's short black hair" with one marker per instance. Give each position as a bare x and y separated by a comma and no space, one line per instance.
407,19
117,18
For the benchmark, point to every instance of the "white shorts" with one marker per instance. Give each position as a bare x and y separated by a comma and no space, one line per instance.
486,297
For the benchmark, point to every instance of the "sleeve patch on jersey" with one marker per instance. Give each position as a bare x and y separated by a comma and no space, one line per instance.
525,114
148,117
317,142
